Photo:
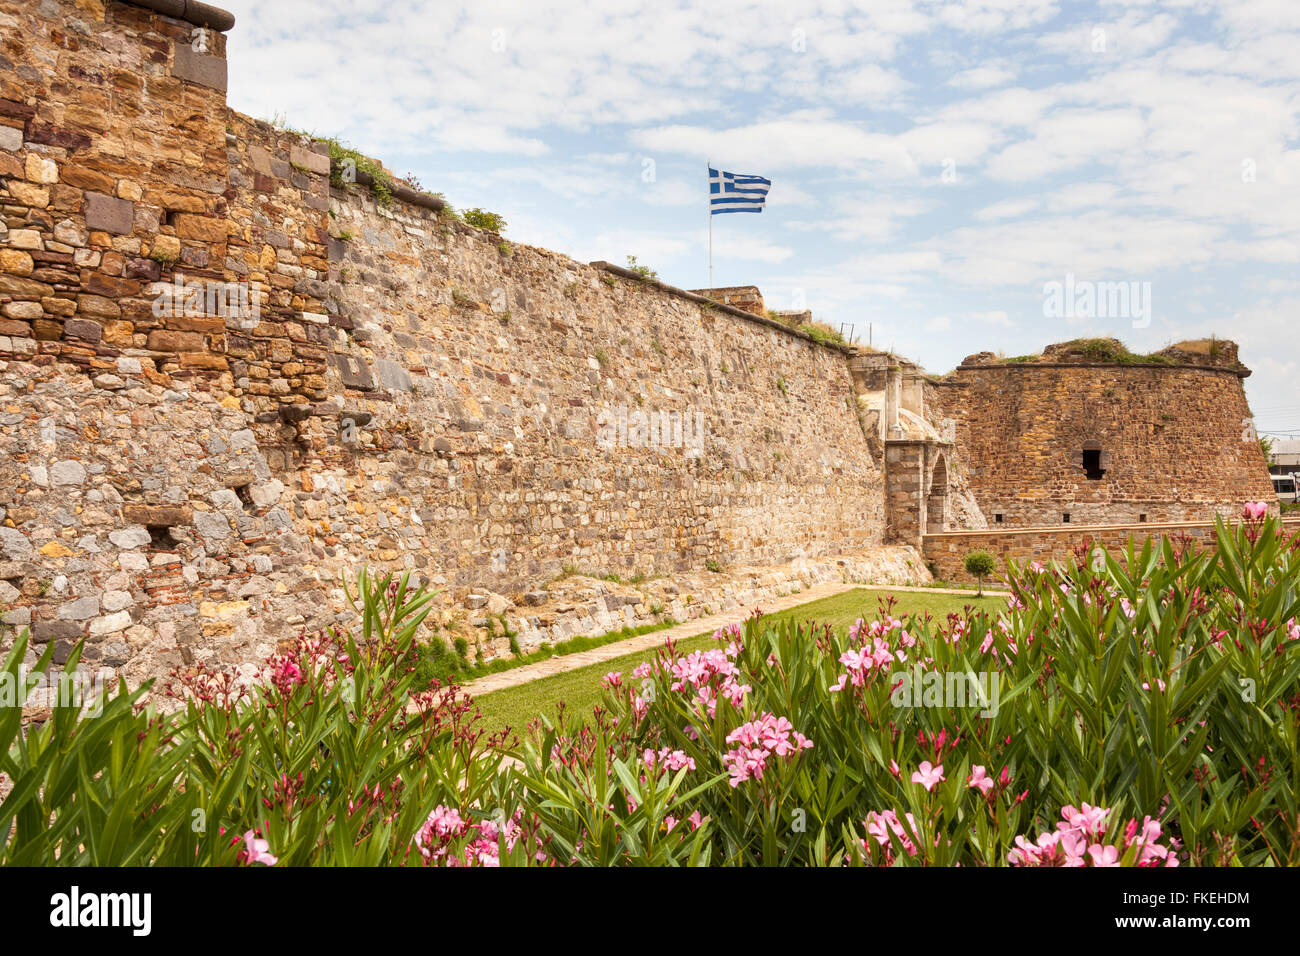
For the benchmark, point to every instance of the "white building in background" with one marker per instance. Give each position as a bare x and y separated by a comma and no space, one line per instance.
1284,466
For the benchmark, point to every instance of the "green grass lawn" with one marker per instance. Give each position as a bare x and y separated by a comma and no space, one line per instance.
580,689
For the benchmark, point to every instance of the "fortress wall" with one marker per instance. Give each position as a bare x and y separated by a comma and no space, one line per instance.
183,486
490,369
1171,438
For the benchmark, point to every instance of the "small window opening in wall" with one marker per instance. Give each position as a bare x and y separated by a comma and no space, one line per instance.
1065,518
1092,464
997,519
1142,518
160,538
245,496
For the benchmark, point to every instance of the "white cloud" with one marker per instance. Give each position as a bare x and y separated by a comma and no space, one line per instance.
982,78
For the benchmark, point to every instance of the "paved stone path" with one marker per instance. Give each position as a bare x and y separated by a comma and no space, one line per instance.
564,663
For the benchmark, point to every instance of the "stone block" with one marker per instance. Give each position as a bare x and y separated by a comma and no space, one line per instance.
109,214
157,515
201,68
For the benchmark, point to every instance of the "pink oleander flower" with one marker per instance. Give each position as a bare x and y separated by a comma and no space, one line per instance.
672,760
880,825
285,675
980,780
1080,840
1103,855
612,679
1255,510
257,850
758,740
928,776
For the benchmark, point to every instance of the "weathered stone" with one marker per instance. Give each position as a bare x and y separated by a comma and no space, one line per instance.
211,526
69,630
37,197
97,306
15,262
25,239
110,624
129,538
69,233
23,310
117,600
393,376
188,64
167,247
159,515
68,472
14,545
82,609
39,169
109,214
206,228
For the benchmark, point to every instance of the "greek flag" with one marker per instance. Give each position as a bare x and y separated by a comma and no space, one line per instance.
736,192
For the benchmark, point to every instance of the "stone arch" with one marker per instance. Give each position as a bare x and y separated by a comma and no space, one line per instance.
936,499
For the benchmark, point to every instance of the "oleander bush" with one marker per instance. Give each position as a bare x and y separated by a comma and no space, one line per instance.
1134,708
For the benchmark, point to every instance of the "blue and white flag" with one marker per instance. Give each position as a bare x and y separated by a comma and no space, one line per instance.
736,192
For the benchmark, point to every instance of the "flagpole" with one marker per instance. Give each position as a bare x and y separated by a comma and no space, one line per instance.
708,175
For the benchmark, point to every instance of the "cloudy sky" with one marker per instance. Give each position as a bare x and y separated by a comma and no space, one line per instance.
934,164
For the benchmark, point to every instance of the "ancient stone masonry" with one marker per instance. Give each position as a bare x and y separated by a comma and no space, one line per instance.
486,374
186,474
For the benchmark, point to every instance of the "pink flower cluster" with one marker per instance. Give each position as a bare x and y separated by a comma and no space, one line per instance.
285,674
734,638
757,741
672,760
445,827
879,825
712,675
1080,840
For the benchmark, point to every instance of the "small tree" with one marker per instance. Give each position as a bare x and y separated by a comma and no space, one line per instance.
980,564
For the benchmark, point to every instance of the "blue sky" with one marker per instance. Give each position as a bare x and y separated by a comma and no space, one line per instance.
934,164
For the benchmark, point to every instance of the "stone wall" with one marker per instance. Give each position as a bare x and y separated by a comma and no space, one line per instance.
486,371
1169,438
945,553
183,482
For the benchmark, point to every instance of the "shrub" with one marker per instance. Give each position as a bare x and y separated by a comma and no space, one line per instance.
331,757
1137,710
1114,726
482,219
